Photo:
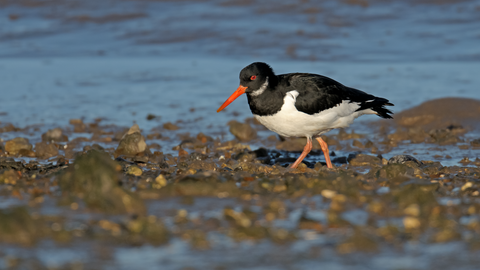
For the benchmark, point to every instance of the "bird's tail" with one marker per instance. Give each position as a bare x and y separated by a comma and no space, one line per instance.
378,106
380,109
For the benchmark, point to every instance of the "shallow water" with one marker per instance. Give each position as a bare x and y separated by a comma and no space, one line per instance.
119,61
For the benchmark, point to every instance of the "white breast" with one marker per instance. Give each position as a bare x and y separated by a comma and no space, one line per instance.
289,122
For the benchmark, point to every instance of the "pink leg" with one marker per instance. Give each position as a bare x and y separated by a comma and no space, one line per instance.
324,147
305,152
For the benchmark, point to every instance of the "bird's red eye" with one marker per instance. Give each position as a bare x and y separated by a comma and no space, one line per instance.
253,77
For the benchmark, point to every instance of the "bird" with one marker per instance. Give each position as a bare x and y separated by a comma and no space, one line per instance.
303,104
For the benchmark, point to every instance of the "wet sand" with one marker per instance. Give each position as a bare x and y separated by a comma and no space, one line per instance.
112,155
115,192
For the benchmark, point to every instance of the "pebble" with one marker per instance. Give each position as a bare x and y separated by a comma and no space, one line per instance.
401,159
170,126
15,146
363,160
54,135
242,131
134,170
44,150
132,143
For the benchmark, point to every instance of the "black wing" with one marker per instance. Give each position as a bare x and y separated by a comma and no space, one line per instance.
318,93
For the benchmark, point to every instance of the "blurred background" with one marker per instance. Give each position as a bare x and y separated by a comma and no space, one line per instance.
120,60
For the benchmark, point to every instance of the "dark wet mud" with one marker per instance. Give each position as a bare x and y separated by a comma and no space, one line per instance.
95,197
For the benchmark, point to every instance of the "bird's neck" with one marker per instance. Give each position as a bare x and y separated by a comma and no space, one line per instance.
266,100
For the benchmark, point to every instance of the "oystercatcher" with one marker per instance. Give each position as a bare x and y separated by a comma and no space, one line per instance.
303,104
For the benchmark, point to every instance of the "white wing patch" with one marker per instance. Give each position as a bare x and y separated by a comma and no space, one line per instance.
289,122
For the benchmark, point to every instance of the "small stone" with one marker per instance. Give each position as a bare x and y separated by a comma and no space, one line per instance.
75,121
132,143
18,227
445,136
151,116
358,144
467,186
246,156
160,181
8,128
475,143
54,135
369,144
327,193
198,156
44,150
363,160
411,223
243,132
392,171
412,210
14,146
204,138
78,125
401,159
9,177
182,152
170,126
134,170
359,241
94,177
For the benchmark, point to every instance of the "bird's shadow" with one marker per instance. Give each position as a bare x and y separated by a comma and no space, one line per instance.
286,158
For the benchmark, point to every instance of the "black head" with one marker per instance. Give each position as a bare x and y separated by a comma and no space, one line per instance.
254,76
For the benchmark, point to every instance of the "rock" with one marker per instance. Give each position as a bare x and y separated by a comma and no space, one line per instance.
197,156
78,125
75,121
245,156
8,128
358,144
475,143
292,144
359,241
54,135
421,194
132,143
446,135
363,160
15,146
44,150
204,138
241,131
369,144
401,159
392,171
151,116
432,168
18,227
170,126
9,177
134,170
153,136
440,113
95,178
94,146
10,163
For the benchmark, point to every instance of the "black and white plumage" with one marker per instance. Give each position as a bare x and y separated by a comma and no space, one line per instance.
303,104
